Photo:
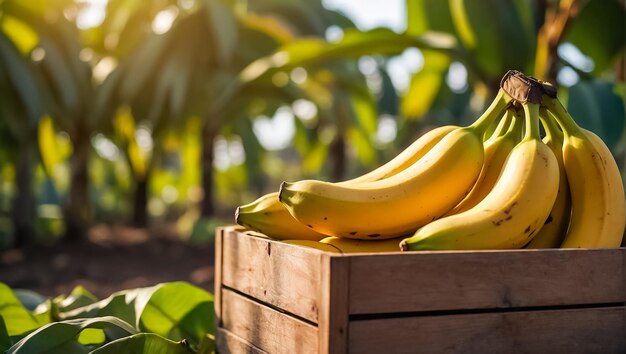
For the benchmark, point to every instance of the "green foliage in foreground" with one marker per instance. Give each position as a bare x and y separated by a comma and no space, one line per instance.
168,318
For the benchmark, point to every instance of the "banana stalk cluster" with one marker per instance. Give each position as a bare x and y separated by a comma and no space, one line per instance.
462,188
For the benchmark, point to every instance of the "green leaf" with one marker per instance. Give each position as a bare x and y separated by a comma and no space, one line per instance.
29,299
143,343
21,78
494,32
179,310
48,144
428,15
224,34
599,32
5,340
425,85
176,310
21,34
362,143
79,297
596,106
61,337
354,44
17,318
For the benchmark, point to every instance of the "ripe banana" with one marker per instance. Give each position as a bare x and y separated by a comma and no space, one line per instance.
346,245
497,149
270,217
513,211
314,244
553,231
598,207
400,204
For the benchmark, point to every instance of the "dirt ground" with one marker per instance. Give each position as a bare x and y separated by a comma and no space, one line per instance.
113,258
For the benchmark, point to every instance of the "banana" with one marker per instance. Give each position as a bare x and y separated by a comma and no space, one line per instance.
314,244
513,211
347,245
497,149
553,231
598,208
407,157
399,204
270,217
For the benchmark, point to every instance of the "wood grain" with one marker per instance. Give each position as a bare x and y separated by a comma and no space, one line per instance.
333,320
598,330
228,343
277,273
426,281
267,329
217,297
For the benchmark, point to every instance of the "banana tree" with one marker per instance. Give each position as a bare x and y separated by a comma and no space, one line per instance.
76,101
21,108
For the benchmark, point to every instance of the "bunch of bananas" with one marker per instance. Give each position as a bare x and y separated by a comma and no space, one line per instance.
464,188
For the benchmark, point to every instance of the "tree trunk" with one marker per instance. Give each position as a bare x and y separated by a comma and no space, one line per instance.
77,207
24,203
207,207
140,202
338,155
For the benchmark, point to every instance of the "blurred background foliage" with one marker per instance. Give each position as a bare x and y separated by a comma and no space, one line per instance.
177,111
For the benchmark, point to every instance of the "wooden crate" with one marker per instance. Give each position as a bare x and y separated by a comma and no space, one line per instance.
273,297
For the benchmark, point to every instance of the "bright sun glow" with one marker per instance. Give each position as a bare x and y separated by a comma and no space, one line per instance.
92,14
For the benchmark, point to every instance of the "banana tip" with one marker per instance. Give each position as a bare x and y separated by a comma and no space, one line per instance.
404,246
283,185
237,216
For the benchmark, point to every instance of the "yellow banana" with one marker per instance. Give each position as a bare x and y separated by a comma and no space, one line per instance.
407,157
514,210
314,244
270,217
497,149
400,204
598,207
347,245
553,231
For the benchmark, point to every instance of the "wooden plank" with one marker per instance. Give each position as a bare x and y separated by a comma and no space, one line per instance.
283,275
227,343
425,281
266,328
333,321
217,297
595,330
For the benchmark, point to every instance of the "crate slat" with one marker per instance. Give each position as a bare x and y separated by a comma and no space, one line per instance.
227,343
595,330
280,274
266,328
428,281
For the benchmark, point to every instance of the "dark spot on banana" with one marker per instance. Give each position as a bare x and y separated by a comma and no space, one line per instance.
531,233
497,223
507,211
325,218
548,220
545,160
353,233
527,230
309,225
373,235
509,218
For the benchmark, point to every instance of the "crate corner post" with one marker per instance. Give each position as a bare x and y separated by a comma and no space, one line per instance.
334,310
